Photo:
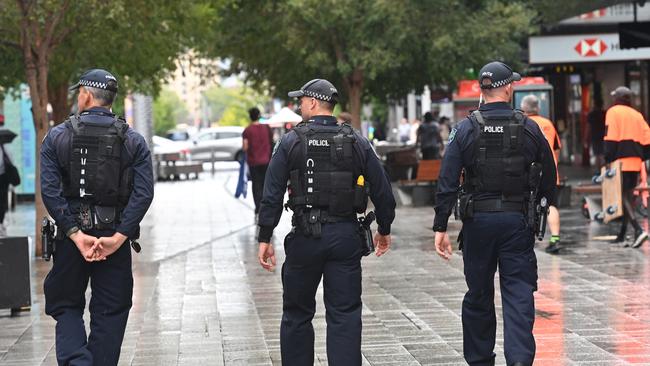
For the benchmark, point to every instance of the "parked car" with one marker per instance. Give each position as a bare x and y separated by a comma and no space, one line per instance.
224,142
165,149
178,135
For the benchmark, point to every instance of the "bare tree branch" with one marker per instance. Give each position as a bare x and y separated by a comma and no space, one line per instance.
51,25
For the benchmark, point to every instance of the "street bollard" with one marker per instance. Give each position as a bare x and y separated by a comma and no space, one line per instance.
212,153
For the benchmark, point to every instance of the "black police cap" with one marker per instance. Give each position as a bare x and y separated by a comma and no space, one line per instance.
495,75
318,88
97,78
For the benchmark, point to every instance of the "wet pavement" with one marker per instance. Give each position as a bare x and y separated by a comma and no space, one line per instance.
200,296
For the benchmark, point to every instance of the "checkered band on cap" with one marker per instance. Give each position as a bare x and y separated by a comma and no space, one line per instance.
93,84
497,84
312,94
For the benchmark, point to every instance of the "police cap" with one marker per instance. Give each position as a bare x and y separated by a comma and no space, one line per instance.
97,78
495,75
319,89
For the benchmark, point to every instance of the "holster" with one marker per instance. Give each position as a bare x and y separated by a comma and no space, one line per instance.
460,240
466,206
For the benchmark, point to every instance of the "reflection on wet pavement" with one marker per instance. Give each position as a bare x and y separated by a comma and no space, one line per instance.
201,298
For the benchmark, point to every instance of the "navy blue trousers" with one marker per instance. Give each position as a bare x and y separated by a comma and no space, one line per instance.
503,239
111,283
336,258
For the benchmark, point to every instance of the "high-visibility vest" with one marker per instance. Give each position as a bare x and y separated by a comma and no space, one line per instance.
551,136
628,137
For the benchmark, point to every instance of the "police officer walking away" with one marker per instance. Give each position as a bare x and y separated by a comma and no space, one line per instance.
97,184
501,154
330,168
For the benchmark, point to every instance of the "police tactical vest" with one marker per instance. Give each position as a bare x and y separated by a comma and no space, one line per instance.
95,173
499,160
326,174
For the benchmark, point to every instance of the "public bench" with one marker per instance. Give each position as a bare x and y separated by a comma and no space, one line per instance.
424,185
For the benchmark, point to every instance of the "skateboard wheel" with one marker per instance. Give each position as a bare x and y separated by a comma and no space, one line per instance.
612,210
597,179
599,217
610,173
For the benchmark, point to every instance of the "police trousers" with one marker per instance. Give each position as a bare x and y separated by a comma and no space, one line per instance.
111,283
336,258
500,239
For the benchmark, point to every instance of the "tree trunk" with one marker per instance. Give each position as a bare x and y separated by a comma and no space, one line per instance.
59,101
354,87
38,94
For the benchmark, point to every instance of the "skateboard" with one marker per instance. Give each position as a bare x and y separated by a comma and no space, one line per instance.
611,184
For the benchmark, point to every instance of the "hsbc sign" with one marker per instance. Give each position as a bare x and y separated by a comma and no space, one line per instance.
581,48
591,47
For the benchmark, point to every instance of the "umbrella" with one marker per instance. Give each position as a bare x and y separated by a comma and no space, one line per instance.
285,115
6,136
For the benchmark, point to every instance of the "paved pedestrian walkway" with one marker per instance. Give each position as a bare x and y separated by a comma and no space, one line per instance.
201,297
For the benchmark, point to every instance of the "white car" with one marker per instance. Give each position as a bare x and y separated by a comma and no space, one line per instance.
167,150
224,143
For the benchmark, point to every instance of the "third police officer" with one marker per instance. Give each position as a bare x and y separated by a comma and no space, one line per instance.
97,183
501,154
330,168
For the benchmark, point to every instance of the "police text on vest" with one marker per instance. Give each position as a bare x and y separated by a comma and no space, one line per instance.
319,143
493,129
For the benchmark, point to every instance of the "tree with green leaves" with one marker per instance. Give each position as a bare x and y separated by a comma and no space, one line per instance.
168,111
50,43
229,106
367,48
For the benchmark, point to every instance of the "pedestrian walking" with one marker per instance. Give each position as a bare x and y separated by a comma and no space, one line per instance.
428,138
97,184
404,131
530,106
8,177
596,131
257,144
626,140
495,148
330,168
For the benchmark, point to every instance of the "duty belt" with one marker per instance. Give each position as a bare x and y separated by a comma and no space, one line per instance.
498,205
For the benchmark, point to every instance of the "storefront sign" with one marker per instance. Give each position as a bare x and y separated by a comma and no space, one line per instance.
581,48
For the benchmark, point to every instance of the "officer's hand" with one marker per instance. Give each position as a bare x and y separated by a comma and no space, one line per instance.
382,244
108,245
443,245
85,244
265,253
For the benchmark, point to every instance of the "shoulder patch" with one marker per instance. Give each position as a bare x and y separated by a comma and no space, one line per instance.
452,134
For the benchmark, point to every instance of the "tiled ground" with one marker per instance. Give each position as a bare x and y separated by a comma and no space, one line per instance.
201,298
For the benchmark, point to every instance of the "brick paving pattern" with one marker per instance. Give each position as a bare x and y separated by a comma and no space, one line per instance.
200,296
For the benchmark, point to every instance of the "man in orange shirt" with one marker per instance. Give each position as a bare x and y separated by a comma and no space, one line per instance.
627,140
530,105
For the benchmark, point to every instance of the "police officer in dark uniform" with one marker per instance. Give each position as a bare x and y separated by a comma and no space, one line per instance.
97,184
501,154
330,168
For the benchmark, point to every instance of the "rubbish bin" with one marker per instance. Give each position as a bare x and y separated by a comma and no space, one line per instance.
15,292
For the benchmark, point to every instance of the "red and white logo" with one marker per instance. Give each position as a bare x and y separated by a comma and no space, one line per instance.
591,47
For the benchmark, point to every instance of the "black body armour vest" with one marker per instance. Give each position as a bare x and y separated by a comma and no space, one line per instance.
95,173
499,160
326,178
